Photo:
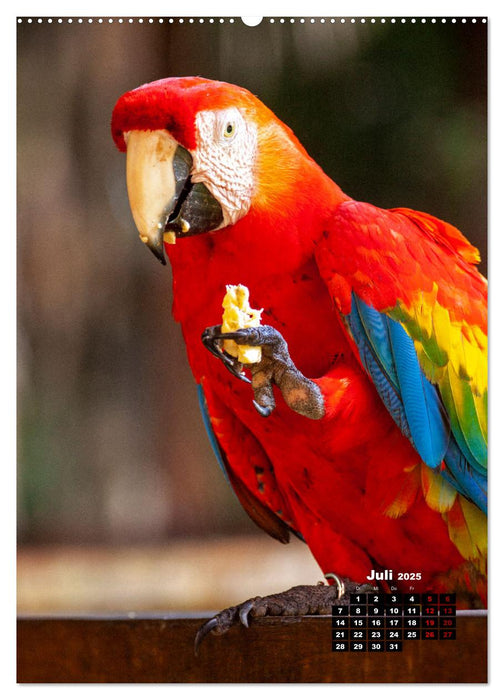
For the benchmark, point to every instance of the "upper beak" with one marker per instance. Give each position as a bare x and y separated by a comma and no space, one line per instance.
164,202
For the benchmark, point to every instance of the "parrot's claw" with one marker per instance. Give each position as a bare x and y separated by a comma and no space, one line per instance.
275,367
263,410
203,631
244,612
294,603
211,338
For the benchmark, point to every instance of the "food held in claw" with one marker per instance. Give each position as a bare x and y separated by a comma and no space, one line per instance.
238,314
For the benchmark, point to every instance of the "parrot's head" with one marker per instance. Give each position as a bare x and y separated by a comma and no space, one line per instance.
196,151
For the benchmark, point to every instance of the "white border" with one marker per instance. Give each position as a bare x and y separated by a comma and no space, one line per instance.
226,8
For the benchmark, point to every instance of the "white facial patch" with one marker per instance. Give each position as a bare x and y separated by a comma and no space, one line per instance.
224,160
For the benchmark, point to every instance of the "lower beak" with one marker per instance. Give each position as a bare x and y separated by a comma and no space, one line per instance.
164,202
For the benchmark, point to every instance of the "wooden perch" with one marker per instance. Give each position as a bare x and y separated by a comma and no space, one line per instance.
159,649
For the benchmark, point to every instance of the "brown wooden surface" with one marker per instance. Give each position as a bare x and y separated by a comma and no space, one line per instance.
158,649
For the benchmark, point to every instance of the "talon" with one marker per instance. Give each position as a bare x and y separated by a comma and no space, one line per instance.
263,410
244,611
231,364
210,339
203,631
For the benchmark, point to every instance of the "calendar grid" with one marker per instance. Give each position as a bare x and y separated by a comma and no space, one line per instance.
378,622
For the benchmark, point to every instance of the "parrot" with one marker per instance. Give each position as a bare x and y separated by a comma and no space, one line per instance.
362,428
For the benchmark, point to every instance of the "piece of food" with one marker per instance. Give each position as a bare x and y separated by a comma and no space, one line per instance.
170,237
238,314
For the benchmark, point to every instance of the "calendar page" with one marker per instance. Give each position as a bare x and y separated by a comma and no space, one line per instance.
252,258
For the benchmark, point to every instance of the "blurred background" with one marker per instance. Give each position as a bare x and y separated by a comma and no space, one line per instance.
120,500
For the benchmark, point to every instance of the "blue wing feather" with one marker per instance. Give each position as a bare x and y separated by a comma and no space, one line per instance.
210,432
388,354
464,477
425,413
386,387
375,328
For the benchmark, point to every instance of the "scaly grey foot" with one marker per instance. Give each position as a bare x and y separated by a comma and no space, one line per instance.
276,367
294,603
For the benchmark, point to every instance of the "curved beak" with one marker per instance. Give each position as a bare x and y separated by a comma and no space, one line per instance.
164,202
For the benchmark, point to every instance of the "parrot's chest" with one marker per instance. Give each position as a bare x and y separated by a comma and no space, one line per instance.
295,302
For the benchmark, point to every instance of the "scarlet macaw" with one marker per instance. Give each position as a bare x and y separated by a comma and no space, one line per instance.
366,435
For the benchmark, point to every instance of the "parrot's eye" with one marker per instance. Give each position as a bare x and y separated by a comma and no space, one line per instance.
229,130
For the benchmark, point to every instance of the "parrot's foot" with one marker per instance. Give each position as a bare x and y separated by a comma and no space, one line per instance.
294,603
275,367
